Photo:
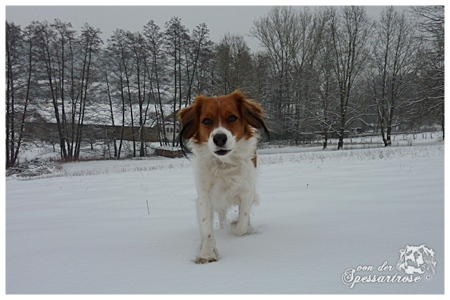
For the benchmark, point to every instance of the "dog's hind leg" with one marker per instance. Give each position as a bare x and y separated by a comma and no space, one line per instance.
222,215
240,227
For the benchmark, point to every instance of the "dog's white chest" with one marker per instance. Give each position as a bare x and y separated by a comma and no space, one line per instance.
225,188
223,182
226,181
222,199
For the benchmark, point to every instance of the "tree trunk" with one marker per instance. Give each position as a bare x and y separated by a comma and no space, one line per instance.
325,139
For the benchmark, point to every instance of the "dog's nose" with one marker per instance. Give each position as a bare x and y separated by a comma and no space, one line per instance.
220,139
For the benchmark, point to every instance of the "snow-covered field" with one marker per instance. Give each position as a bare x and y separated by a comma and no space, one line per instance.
130,227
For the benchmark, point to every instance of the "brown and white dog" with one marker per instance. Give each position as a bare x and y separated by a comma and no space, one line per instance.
222,133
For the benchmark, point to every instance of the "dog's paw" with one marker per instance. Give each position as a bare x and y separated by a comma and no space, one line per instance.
238,228
207,257
201,260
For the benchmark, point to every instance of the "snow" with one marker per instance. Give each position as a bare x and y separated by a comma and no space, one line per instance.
129,227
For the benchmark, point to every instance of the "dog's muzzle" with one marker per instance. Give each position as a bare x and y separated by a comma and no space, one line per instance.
220,140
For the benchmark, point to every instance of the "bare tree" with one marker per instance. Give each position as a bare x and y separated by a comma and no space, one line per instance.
393,67
105,69
65,57
120,62
350,30
279,33
293,41
431,98
313,30
176,35
20,61
156,74
195,49
233,65
323,106
261,78
50,52
138,49
89,43
67,62
203,79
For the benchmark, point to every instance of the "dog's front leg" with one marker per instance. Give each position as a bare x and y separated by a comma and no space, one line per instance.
240,227
205,217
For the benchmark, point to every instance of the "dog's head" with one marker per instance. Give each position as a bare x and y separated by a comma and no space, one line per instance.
416,259
220,122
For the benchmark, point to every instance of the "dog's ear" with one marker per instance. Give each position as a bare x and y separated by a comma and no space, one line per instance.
188,118
428,258
251,111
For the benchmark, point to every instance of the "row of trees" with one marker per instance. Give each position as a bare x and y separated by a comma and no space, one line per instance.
48,61
322,70
67,79
154,68
335,68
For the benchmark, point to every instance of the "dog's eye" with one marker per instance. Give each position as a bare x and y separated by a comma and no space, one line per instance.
232,118
207,121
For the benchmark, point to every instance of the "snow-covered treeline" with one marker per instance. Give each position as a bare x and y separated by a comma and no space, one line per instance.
328,71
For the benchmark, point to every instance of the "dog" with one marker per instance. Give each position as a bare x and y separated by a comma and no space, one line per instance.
222,132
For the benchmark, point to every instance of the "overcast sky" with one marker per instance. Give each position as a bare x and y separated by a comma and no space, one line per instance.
219,19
